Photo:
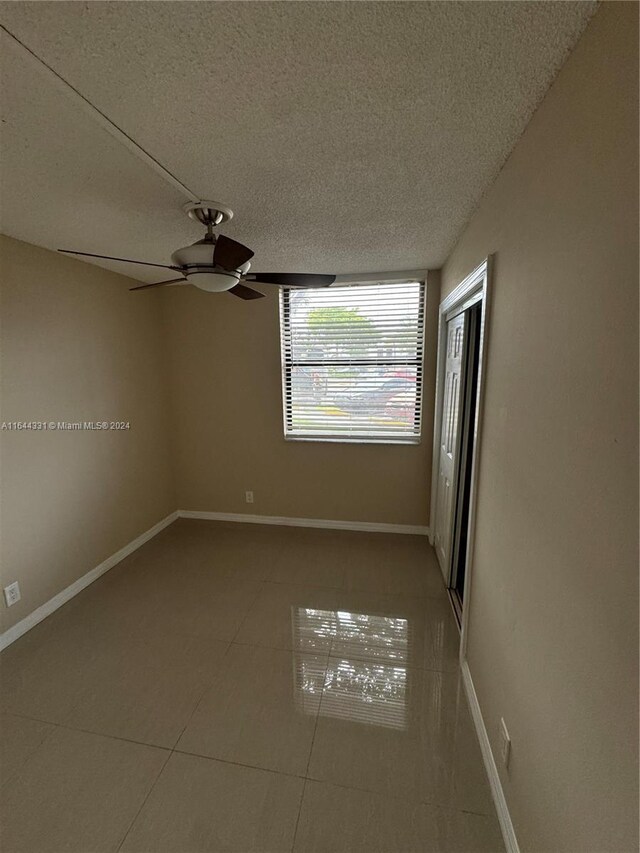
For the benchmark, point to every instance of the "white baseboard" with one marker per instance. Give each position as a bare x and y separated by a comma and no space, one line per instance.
506,825
46,609
367,526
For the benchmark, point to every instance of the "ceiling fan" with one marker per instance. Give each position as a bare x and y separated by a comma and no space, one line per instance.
218,263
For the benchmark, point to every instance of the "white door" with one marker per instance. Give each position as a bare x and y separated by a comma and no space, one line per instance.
449,442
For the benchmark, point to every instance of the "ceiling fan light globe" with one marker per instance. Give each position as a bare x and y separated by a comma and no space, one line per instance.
213,282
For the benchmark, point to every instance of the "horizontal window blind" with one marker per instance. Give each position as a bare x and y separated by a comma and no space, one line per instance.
352,362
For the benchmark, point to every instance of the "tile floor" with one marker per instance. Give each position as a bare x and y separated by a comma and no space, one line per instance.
236,687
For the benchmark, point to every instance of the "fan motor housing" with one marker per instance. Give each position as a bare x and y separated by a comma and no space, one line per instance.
200,254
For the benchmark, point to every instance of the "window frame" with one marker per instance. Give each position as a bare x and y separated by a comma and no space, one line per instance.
288,364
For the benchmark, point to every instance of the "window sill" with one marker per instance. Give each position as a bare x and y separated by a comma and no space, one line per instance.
412,442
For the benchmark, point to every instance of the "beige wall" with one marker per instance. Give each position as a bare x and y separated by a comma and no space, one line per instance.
76,346
228,433
553,613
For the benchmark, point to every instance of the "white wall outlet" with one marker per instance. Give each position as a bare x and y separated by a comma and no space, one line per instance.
505,743
12,593
248,497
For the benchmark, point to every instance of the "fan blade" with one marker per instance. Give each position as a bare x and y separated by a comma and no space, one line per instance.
246,292
229,254
291,279
159,283
109,258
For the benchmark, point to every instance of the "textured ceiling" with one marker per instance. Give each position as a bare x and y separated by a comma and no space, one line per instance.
347,137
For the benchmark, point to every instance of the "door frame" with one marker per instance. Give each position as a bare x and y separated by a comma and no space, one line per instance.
471,290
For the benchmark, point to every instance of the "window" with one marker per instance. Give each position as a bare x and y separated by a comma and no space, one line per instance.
352,362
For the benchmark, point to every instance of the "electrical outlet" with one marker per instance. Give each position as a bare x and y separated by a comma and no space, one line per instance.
12,593
248,497
505,743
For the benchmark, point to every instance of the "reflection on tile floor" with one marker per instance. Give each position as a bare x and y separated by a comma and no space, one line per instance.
296,690
386,637
366,691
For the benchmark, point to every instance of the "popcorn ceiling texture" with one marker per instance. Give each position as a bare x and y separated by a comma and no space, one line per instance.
347,137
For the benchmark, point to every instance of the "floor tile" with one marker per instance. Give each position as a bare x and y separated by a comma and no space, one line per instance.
243,550
78,792
400,732
260,711
286,616
443,650
20,737
203,805
174,597
312,569
395,565
202,606
312,557
265,651
394,628
334,819
44,672
180,587
218,546
148,688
